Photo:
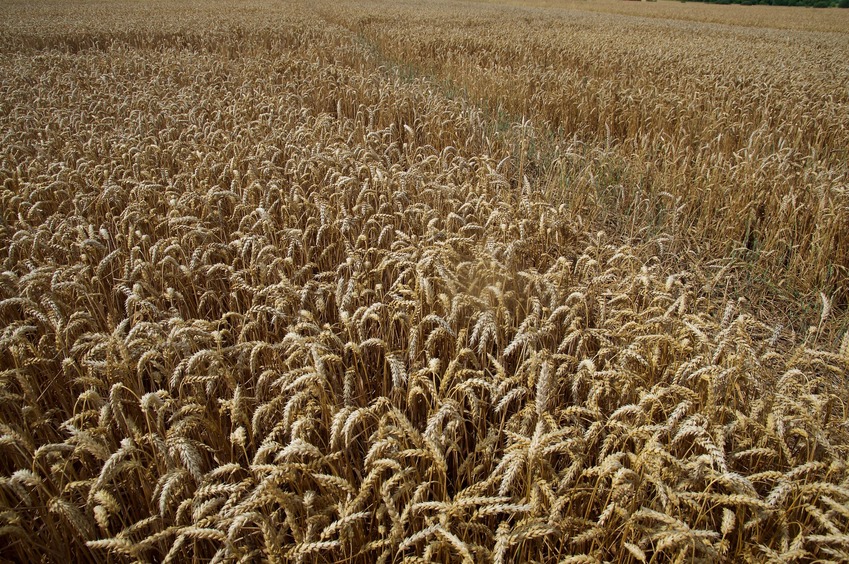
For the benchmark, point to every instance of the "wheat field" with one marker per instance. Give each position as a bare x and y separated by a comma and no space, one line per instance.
458,281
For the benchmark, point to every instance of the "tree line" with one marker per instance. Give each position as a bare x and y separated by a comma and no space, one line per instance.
809,3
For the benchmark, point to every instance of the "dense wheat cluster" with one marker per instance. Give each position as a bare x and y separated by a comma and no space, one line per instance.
358,284
736,139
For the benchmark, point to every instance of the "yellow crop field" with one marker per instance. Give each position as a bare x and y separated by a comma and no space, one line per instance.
372,281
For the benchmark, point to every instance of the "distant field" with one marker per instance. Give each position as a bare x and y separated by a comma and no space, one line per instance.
446,281
777,17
